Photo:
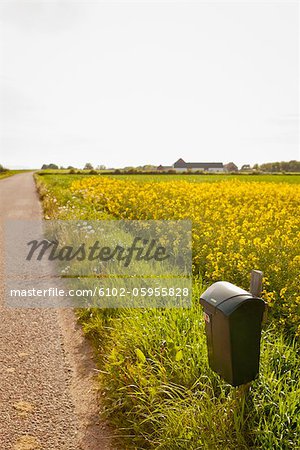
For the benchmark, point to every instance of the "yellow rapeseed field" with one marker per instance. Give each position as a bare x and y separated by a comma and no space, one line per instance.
237,226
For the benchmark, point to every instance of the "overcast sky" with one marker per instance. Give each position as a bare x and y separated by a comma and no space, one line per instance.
129,83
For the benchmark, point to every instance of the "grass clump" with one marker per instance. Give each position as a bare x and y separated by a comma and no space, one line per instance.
160,393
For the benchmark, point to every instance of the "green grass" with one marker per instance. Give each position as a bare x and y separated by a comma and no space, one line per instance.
157,388
10,173
165,402
4,175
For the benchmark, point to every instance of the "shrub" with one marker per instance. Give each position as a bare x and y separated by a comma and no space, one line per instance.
2,169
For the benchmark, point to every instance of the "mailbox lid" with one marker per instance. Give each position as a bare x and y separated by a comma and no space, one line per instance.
246,301
219,292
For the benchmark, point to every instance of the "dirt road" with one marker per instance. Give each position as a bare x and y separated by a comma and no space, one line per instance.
48,397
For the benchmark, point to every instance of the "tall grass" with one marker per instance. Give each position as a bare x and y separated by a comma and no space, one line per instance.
8,173
159,390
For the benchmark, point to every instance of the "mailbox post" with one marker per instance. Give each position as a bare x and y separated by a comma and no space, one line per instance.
256,282
233,319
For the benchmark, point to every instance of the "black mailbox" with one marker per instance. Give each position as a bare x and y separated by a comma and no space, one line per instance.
233,319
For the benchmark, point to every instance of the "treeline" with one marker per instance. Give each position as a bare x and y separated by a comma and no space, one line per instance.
88,166
271,167
283,166
54,167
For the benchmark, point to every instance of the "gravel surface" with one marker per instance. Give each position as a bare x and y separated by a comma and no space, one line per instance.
48,395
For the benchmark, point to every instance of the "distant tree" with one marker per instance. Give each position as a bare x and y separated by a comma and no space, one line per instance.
71,167
101,167
267,167
148,167
283,166
49,166
88,166
246,167
276,167
2,169
295,166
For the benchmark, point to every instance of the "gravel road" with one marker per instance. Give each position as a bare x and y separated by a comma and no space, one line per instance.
48,395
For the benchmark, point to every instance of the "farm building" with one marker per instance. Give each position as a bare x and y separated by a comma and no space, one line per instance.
181,166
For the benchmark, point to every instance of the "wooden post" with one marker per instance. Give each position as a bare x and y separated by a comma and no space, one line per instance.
256,287
256,283
256,290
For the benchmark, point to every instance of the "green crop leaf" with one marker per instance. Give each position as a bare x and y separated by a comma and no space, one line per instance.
179,356
140,355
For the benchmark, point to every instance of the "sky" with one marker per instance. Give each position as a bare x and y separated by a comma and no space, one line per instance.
125,83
